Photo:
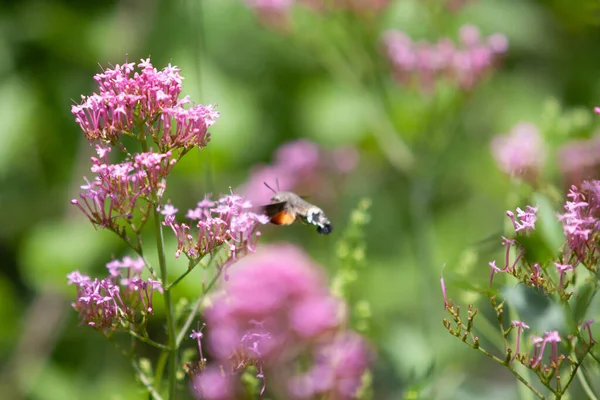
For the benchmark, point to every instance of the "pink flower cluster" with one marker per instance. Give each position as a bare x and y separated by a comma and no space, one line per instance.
123,295
143,103
424,63
284,6
297,164
116,189
525,220
229,220
521,153
581,222
276,309
356,6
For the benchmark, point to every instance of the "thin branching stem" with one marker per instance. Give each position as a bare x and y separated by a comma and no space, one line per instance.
194,311
147,340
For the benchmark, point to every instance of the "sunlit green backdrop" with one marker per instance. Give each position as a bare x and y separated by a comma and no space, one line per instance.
270,88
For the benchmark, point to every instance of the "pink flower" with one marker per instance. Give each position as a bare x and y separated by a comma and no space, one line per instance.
127,100
550,337
271,5
337,371
298,163
103,303
580,220
520,153
562,270
276,307
425,63
358,7
526,218
279,295
213,384
117,188
520,326
579,160
587,326
229,221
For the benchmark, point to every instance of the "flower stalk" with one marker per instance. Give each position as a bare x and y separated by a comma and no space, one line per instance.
171,342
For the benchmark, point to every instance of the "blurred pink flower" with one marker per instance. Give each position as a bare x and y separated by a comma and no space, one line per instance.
299,163
275,311
337,371
455,5
579,160
520,153
356,6
271,5
425,63
278,292
213,384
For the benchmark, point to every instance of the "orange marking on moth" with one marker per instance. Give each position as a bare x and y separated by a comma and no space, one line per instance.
283,218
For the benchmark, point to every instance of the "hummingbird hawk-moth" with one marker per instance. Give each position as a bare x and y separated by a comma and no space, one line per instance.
287,207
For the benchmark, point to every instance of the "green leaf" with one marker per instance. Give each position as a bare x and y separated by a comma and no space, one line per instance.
548,224
580,301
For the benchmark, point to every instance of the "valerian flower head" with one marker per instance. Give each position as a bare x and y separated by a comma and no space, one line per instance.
540,344
423,62
123,295
127,100
521,153
229,221
117,189
581,221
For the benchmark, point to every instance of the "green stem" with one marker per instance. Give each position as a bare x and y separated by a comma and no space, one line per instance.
192,315
514,372
160,366
146,381
520,368
147,340
191,265
160,245
586,386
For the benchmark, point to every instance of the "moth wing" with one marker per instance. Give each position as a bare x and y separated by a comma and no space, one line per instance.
273,209
277,213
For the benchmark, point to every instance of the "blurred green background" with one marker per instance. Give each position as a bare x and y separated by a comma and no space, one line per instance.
271,87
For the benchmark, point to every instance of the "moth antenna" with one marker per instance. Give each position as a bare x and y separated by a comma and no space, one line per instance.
270,188
277,183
